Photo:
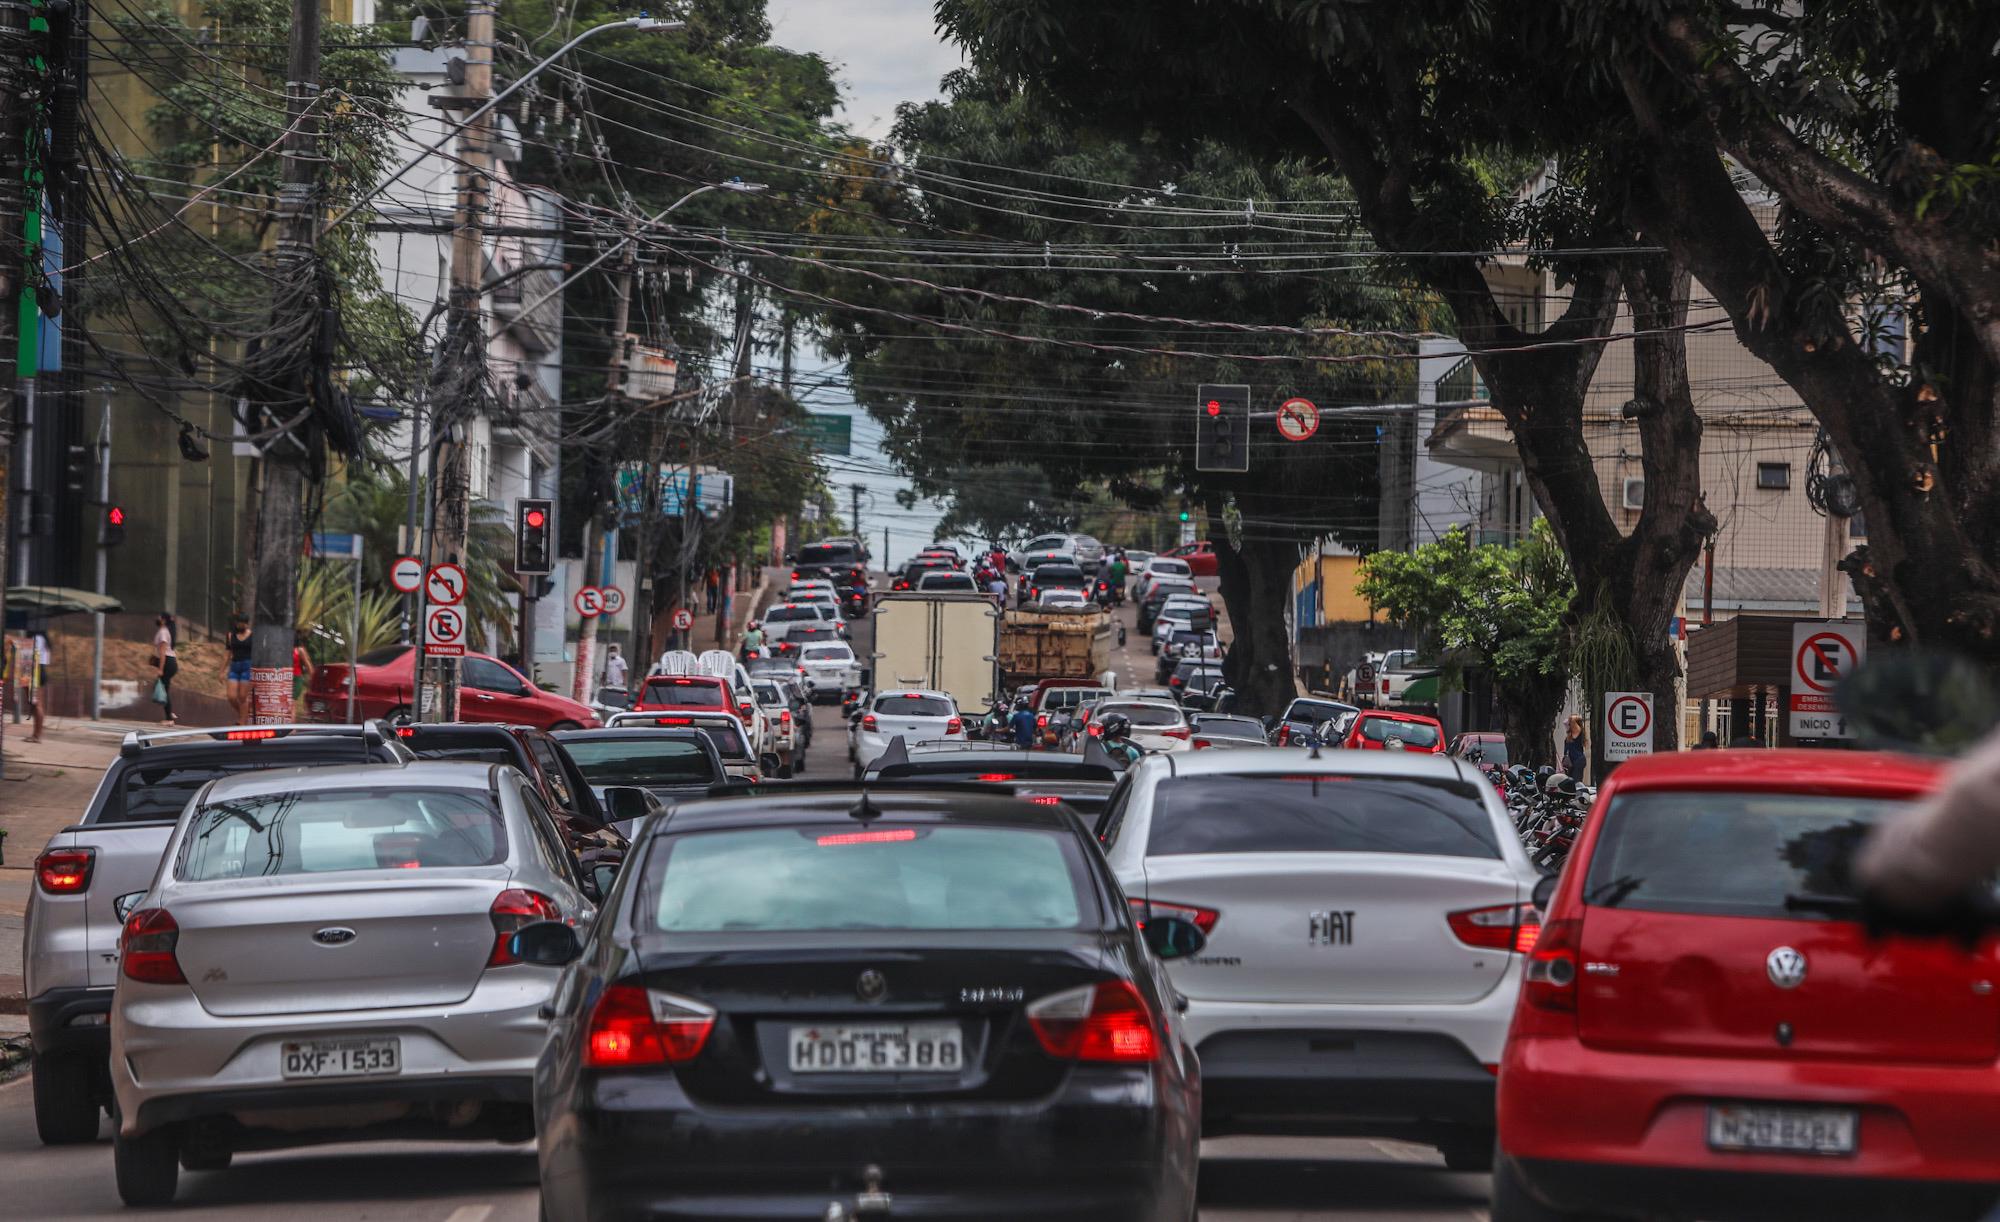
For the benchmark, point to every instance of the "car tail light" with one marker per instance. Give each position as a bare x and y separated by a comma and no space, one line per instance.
1101,1022
1180,733
1201,918
146,949
1511,927
994,778
1202,744
1046,799
784,717
406,731
1385,687
1284,735
512,910
886,836
1551,975
65,871
237,736
634,1026
868,721
743,711
796,575
954,726
1042,721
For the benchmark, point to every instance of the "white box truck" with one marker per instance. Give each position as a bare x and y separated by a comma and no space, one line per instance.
943,642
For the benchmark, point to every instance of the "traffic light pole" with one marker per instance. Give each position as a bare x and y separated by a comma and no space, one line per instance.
103,555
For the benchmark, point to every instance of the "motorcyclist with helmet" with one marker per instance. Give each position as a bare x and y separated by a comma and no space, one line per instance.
1022,723
1115,732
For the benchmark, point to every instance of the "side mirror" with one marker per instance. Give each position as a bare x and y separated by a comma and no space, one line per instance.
124,904
602,876
622,802
1171,937
1545,890
546,943
1270,723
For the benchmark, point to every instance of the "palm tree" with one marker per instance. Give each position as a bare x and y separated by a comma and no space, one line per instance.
374,504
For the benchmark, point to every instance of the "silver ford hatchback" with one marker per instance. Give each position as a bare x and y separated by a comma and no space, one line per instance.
324,955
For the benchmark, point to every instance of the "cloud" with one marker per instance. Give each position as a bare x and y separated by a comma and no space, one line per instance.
884,51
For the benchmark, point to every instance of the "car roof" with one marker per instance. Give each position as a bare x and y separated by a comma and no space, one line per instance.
683,733
911,691
1290,761
1142,703
899,802
1398,715
1800,768
421,774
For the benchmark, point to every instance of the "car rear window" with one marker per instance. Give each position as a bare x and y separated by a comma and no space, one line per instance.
1410,733
641,761
829,653
1315,711
913,706
1163,565
1320,814
1493,750
683,693
1000,772
790,615
1145,714
326,831
157,791
1072,697
826,553
856,876
1730,854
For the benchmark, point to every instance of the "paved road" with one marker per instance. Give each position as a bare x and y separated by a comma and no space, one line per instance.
1243,1179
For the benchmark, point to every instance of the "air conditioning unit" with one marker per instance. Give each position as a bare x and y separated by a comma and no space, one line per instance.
1635,493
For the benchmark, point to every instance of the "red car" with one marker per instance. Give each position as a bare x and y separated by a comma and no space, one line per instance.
1375,729
689,693
1707,1029
489,691
1199,555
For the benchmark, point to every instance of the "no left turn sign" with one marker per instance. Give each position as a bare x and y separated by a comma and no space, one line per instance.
445,587
407,575
1298,419
1628,724
589,601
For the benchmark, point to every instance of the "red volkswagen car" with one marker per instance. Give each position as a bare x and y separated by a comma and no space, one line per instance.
489,690
1200,557
1707,1029
1377,729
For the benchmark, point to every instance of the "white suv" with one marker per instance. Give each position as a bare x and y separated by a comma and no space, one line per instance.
1365,935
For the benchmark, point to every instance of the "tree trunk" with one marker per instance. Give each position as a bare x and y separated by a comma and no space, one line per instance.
1256,584
1528,713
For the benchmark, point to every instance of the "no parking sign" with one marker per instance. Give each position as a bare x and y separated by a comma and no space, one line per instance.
1628,724
1823,654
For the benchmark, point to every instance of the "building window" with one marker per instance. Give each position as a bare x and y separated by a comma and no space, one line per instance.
1774,475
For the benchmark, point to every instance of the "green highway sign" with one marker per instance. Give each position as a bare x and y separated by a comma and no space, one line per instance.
830,434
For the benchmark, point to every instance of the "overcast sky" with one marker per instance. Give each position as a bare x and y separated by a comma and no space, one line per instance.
883,52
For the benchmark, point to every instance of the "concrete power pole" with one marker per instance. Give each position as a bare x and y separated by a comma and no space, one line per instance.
17,46
593,528
463,370
279,524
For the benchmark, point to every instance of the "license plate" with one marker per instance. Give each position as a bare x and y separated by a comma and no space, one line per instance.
348,1058
1786,1130
915,1048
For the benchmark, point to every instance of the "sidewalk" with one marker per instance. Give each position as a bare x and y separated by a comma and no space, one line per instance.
47,787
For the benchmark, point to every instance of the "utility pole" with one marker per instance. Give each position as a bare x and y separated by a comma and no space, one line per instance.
856,490
462,372
593,527
17,47
297,310
103,500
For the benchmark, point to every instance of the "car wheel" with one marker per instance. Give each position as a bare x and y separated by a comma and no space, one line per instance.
147,1167
1511,1202
799,764
65,1099
206,1160
1471,1151
560,726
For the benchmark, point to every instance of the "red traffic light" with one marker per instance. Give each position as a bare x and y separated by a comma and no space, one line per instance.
535,519
115,516
1215,407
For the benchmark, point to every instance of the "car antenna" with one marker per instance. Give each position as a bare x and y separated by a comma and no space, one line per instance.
864,810
1315,748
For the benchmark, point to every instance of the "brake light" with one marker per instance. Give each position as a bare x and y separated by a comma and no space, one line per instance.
406,732
237,736
1201,918
512,910
1042,721
868,721
1202,744
1551,975
1180,733
1033,592
1510,927
954,726
994,778
1385,687
1102,1022
888,836
1284,735
784,717
65,871
146,948
795,575
634,1026
1046,799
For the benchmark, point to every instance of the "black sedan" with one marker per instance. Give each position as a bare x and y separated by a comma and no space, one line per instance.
900,1003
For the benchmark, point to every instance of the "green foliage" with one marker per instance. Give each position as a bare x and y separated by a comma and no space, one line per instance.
326,608
374,504
1502,607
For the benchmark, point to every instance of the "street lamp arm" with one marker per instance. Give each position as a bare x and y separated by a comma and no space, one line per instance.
627,23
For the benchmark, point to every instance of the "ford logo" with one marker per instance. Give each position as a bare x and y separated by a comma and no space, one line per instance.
333,935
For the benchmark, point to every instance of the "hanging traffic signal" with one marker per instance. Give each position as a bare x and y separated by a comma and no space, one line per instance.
1184,515
534,540
114,526
1222,428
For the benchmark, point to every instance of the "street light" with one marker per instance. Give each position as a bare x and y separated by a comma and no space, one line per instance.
733,184
648,24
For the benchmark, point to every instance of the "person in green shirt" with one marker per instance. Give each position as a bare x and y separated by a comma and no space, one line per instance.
1119,571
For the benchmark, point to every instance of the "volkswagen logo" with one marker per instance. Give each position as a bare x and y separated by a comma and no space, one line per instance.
333,935
1786,967
872,986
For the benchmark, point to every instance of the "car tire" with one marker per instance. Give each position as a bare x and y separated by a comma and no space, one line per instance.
206,1160
147,1167
1469,1151
1511,1202
560,726
65,1099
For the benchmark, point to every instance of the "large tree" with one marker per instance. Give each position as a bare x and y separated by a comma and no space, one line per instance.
1058,357
1406,102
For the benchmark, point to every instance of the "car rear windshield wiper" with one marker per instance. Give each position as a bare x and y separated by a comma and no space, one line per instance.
1611,894
1831,905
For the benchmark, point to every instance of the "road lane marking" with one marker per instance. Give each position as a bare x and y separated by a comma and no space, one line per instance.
470,1213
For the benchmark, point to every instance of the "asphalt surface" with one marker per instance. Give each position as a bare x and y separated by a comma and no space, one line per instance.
1243,1179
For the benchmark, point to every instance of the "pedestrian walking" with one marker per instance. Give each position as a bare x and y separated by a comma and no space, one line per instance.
1576,748
29,672
236,677
165,665
614,668
302,672
712,585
